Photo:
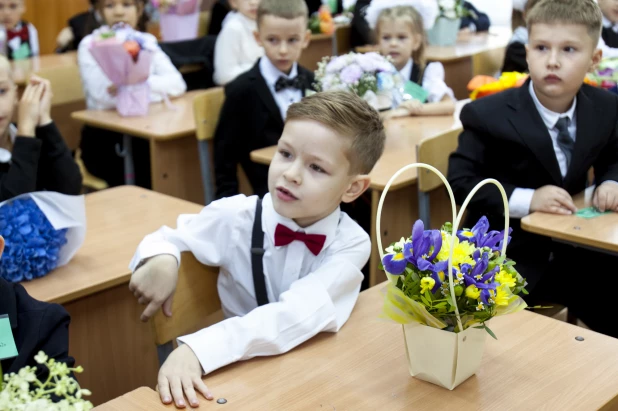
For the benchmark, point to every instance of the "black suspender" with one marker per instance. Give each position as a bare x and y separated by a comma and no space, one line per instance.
257,253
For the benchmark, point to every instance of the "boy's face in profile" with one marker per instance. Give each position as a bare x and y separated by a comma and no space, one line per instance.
283,40
559,56
11,12
310,173
609,9
247,8
8,99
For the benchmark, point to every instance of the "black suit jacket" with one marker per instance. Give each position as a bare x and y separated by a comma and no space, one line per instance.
360,34
515,58
505,138
36,326
250,119
610,37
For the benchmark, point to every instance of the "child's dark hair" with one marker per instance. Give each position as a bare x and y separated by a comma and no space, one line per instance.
142,24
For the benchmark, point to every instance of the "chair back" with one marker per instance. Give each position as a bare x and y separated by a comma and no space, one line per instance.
206,109
435,151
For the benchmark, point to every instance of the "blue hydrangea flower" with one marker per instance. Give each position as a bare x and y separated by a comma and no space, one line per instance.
32,244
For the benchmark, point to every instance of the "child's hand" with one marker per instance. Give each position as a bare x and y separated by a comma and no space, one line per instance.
606,197
29,110
112,90
154,283
46,100
413,106
552,199
179,376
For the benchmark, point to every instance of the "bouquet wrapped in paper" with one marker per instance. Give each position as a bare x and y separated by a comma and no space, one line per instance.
445,285
42,231
369,75
482,86
125,56
178,19
605,76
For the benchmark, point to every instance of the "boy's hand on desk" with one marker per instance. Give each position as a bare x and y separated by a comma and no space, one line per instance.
552,199
179,376
154,283
29,110
606,197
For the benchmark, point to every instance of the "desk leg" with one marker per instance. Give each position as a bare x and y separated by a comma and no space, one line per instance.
399,212
127,154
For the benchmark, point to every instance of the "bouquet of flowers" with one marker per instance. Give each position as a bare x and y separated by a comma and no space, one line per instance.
322,22
445,286
125,56
452,9
482,86
41,231
23,391
179,19
370,76
606,75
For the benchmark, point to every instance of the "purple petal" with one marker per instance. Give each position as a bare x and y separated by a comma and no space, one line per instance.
484,296
436,241
469,280
481,227
408,252
436,277
423,264
417,232
490,274
465,268
394,263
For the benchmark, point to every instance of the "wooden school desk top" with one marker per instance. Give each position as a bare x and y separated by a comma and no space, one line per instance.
402,137
161,122
600,232
22,69
117,220
536,363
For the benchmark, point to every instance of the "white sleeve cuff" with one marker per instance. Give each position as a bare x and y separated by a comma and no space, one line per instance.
519,203
146,251
211,347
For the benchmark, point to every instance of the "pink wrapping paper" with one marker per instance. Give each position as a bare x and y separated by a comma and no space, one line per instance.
180,22
130,76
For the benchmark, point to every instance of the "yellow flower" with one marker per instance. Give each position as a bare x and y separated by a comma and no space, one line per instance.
505,278
461,253
468,234
473,292
427,284
503,296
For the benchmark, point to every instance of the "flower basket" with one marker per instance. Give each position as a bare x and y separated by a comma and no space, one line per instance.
445,327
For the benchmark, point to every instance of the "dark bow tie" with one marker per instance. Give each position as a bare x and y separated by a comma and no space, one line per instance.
284,236
283,83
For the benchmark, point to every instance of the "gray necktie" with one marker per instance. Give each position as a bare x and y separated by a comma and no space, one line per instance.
565,142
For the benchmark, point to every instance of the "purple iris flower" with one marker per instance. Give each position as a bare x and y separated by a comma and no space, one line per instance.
480,236
478,277
417,252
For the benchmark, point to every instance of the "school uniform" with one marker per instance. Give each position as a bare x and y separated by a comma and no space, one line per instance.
511,137
36,164
236,50
36,326
310,286
360,32
515,55
475,21
98,145
431,78
22,41
252,117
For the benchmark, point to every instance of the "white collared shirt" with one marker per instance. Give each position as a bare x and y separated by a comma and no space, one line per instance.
6,155
607,50
308,294
433,81
286,97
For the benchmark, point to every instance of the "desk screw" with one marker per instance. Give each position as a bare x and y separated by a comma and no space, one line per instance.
578,338
221,401
577,227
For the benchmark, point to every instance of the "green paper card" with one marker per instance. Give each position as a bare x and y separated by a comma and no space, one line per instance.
413,90
7,343
590,212
22,53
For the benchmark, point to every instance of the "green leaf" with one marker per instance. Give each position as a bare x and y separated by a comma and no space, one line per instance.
490,332
428,296
439,305
524,291
427,303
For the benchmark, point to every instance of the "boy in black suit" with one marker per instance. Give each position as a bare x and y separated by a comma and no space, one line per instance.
609,8
36,326
256,102
539,141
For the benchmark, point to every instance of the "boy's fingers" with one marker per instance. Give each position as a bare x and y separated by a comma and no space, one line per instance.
143,300
187,386
202,388
566,203
595,199
167,306
176,388
38,92
150,310
602,197
164,390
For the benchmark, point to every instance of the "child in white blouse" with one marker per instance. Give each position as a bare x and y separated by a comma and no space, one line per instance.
401,35
311,253
236,50
98,146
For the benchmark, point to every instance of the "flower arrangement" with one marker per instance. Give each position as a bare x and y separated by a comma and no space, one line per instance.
322,22
178,19
42,231
452,9
369,75
606,75
482,86
23,391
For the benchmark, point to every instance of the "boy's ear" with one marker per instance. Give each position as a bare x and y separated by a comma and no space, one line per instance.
358,186
597,56
307,39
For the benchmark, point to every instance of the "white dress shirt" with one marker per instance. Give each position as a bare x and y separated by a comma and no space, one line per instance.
433,81
15,43
236,50
607,50
308,294
164,80
286,97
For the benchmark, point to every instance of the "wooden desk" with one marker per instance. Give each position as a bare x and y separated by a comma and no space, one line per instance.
536,363
175,163
106,336
598,233
400,209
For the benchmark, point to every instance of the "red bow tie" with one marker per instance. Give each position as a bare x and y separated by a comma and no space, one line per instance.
284,236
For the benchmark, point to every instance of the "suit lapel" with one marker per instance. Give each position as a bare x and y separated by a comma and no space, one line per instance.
307,77
264,92
532,130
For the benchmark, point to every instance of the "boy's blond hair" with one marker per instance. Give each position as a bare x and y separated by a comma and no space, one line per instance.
582,12
349,116
414,20
286,9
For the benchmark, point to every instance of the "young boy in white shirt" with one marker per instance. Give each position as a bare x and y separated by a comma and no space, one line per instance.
304,253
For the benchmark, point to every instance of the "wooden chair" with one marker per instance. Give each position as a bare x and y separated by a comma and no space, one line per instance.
204,23
206,109
433,151
196,305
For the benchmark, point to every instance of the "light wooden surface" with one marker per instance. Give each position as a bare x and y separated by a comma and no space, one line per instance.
469,45
23,69
141,399
321,45
600,233
535,364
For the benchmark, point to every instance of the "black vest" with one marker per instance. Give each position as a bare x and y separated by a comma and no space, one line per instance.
417,75
610,37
